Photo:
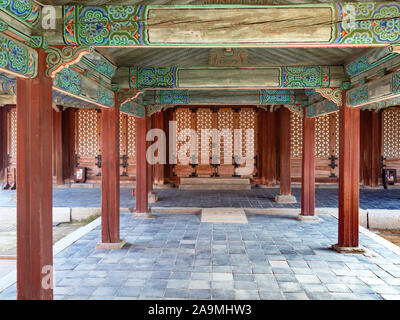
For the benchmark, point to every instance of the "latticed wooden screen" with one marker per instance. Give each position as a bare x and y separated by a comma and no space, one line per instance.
13,132
247,120
122,134
183,122
335,116
88,133
296,135
204,125
226,125
391,133
131,137
322,143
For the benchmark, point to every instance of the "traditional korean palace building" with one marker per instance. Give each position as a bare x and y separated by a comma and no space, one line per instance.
82,82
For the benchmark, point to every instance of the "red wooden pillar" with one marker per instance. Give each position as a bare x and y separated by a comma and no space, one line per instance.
68,142
284,146
370,147
308,168
141,191
58,148
3,143
270,147
110,179
149,183
159,168
376,135
349,161
34,180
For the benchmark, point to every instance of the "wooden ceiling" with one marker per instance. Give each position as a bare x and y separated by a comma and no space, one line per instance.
184,57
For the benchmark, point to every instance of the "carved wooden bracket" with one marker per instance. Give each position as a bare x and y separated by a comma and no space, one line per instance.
333,94
62,57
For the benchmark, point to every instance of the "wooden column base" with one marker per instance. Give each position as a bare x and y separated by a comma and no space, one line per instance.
285,198
111,246
340,249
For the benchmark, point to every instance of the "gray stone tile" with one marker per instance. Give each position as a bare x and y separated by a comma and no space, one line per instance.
296,295
220,294
270,295
247,295
200,294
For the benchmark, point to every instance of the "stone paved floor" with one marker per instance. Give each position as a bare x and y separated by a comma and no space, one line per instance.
178,257
255,198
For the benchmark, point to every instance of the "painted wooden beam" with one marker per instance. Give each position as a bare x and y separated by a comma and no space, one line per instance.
70,89
321,108
73,83
378,91
134,109
16,58
236,77
224,97
371,62
232,25
26,12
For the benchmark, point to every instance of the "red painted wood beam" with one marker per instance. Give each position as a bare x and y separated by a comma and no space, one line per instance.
58,148
141,167
110,175
284,146
34,181
349,161
308,167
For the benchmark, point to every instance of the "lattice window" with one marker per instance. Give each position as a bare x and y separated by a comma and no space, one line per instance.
322,149
13,132
391,133
183,122
204,123
247,120
296,135
88,138
336,130
131,132
122,119
226,122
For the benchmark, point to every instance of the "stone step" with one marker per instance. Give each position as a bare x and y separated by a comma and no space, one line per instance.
214,187
215,181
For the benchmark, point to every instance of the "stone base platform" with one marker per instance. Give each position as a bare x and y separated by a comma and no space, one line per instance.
215,184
